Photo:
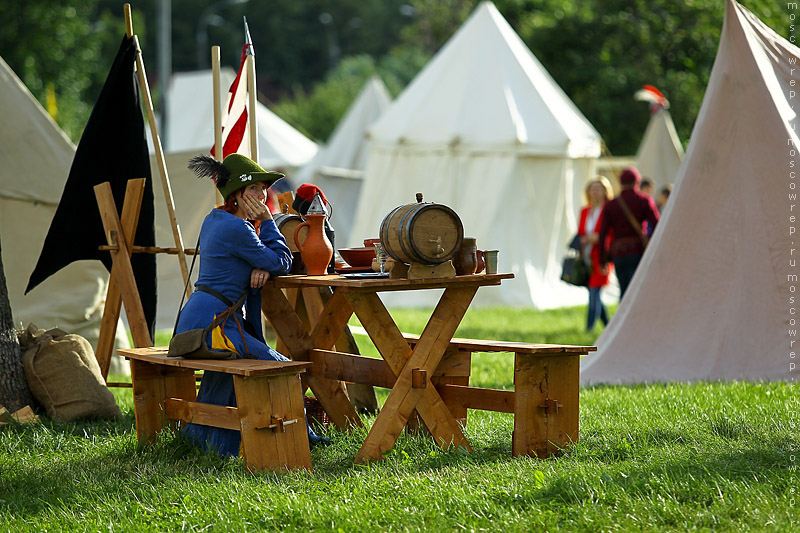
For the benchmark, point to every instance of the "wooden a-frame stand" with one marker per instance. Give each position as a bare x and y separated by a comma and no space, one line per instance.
121,284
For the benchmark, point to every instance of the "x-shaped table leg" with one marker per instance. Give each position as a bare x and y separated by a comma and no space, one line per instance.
404,362
290,329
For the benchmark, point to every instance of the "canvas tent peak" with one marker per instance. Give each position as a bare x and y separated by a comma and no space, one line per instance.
191,123
710,299
660,153
485,130
528,111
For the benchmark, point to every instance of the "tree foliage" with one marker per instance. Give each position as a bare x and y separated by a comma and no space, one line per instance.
54,47
601,55
601,52
314,55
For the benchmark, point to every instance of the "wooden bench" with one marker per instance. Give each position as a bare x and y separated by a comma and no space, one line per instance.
269,397
545,399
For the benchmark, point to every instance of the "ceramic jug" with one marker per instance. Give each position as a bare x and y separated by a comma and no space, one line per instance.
316,250
466,259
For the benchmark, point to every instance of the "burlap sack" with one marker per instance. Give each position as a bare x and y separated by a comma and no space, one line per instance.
64,376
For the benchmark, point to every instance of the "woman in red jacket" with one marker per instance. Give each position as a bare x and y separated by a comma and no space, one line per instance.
597,192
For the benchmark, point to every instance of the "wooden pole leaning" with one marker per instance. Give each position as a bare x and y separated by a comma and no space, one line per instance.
215,70
162,165
126,8
250,66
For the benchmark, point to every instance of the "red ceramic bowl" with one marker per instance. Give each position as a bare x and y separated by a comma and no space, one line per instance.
369,243
358,257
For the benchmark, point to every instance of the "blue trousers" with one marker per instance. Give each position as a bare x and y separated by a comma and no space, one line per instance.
596,309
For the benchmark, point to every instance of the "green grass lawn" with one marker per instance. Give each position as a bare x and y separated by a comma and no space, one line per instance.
676,457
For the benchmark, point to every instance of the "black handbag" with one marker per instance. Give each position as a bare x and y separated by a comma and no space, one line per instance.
574,269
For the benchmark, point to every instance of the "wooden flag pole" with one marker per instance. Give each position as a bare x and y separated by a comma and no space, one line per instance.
162,165
128,20
250,65
215,69
251,93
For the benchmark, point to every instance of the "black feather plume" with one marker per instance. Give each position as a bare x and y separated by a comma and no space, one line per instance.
207,167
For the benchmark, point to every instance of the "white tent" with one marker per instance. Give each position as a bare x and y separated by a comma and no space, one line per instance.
713,298
660,152
190,124
338,168
36,158
485,130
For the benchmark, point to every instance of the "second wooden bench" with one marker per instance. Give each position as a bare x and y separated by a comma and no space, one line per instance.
544,402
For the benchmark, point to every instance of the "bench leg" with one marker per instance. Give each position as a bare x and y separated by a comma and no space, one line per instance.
458,365
152,385
261,400
546,404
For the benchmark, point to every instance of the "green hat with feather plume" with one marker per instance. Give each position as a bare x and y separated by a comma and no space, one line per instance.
233,173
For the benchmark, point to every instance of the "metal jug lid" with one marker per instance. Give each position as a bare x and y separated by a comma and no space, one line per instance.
317,206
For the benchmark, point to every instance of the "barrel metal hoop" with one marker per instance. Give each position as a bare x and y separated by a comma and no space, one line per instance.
404,232
384,234
282,218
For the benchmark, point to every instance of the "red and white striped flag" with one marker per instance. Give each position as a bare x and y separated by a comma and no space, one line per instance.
235,125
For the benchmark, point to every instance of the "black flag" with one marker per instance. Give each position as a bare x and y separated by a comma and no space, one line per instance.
112,148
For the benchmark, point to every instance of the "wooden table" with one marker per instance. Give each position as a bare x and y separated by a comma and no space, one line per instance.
412,368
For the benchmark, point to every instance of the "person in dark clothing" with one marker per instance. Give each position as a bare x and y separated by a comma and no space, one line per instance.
627,221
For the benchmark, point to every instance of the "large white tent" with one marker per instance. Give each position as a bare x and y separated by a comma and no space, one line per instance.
36,158
660,153
484,129
713,298
338,168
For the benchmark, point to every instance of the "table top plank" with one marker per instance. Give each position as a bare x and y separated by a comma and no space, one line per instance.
387,284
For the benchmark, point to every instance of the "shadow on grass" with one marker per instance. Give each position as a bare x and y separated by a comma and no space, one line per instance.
645,478
103,460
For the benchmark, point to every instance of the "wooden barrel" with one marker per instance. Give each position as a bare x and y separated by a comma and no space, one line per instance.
287,223
426,233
